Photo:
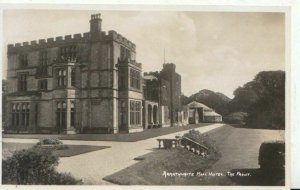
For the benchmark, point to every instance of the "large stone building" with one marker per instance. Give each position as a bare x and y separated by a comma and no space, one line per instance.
88,83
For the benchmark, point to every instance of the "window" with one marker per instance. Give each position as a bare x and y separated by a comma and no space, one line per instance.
24,60
61,80
20,114
72,113
73,77
43,84
135,79
124,53
132,112
43,67
22,82
123,112
61,108
135,113
14,114
68,52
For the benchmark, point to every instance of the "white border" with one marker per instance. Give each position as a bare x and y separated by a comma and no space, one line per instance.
292,56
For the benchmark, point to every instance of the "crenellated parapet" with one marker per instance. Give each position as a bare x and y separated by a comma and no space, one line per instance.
49,42
152,73
64,40
113,35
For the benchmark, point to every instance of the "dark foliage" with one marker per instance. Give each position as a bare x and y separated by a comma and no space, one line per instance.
263,99
48,141
272,156
215,100
236,118
34,166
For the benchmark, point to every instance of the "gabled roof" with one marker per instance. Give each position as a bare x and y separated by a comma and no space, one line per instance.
212,113
195,104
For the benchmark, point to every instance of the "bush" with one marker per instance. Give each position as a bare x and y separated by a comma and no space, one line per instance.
272,156
203,139
236,118
34,166
49,142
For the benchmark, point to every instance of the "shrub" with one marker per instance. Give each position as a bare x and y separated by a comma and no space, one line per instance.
272,156
203,139
48,141
34,166
236,118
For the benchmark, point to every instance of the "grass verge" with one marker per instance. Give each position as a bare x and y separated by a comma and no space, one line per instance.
73,150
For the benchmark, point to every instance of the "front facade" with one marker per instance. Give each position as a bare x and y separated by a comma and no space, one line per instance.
88,83
82,83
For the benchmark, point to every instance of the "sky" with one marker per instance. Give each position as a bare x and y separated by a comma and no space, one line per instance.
219,51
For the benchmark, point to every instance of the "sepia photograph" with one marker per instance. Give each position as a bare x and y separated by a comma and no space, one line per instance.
143,97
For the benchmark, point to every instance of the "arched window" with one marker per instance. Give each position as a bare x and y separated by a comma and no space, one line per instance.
61,79
20,114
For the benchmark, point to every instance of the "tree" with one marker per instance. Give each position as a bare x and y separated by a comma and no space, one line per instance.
263,99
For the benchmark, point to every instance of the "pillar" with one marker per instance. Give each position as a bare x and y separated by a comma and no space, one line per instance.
70,130
33,116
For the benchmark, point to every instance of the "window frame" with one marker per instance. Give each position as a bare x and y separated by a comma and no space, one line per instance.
135,112
20,114
22,82
135,79
61,77
23,58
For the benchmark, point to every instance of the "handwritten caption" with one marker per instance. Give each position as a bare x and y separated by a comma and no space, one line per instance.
205,174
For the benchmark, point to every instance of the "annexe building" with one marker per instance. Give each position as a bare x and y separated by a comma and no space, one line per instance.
200,113
88,83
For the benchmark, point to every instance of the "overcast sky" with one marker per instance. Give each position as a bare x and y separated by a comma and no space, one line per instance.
212,50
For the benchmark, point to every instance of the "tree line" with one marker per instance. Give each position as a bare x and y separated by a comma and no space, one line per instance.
260,103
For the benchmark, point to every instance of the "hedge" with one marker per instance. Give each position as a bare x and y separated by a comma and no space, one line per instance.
49,141
272,156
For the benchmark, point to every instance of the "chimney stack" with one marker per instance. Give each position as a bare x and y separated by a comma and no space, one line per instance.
95,26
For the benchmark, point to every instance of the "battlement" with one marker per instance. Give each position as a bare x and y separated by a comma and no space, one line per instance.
60,40
113,35
95,34
49,42
170,66
96,16
156,73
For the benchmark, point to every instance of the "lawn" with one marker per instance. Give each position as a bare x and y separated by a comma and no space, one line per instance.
239,148
131,137
150,170
73,150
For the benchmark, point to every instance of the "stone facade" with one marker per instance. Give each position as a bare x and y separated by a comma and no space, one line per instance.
164,87
88,83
